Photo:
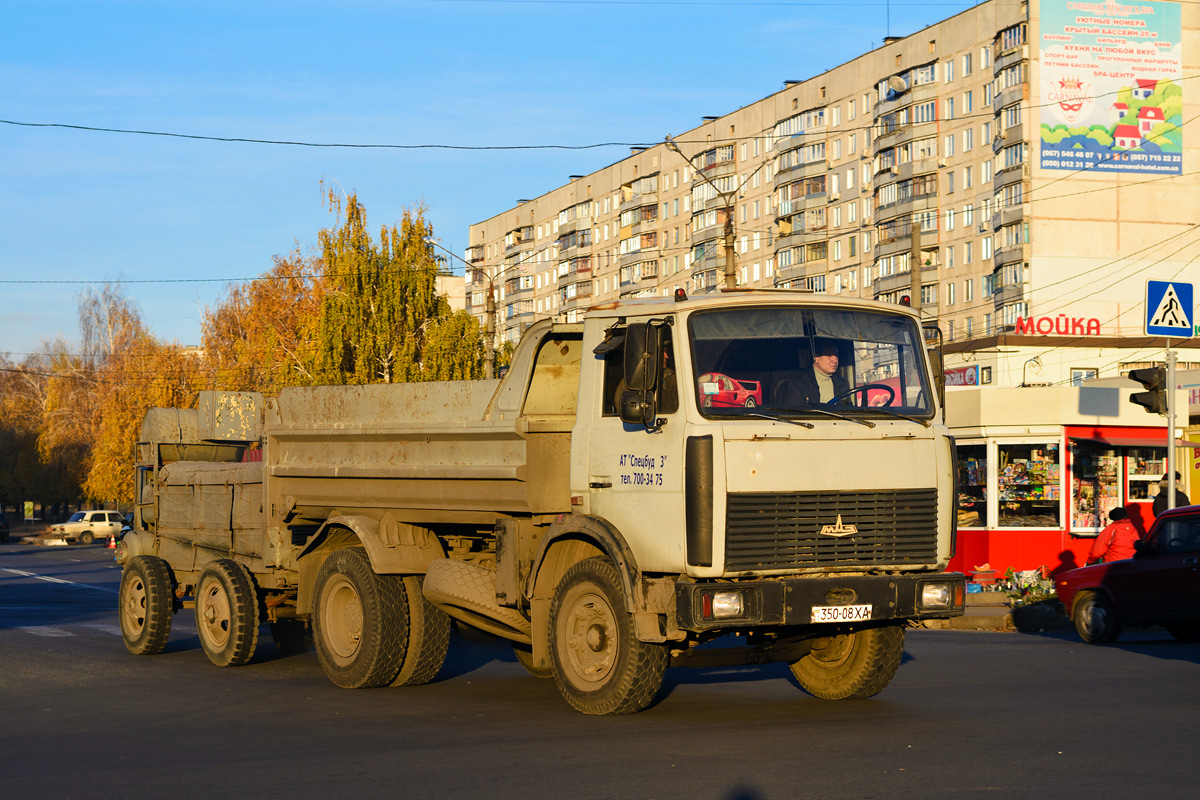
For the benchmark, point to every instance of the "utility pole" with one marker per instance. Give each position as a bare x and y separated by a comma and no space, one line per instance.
728,199
914,264
1170,425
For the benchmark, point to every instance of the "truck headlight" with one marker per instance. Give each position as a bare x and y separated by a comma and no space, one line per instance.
939,595
722,605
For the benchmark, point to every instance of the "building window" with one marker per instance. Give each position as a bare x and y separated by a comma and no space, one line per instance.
1081,374
968,139
966,65
968,254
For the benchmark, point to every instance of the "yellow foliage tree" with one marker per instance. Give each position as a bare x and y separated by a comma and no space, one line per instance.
260,336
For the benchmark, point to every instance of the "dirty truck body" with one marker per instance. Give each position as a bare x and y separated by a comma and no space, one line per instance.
595,506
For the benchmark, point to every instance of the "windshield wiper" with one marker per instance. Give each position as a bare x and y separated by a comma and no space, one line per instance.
777,418
887,410
819,410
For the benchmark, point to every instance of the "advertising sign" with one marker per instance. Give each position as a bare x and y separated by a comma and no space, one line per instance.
963,376
1110,86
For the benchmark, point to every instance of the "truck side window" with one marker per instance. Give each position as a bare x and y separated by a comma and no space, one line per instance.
614,378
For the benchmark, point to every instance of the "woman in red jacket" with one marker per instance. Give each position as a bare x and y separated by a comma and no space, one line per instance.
1116,541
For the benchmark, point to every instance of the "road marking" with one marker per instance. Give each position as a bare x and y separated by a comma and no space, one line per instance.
113,629
50,579
45,630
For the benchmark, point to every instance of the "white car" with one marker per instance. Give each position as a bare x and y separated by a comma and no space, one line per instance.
88,526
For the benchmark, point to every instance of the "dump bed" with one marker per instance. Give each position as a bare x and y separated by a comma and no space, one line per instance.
441,452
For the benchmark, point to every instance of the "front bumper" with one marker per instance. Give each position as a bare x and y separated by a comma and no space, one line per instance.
790,601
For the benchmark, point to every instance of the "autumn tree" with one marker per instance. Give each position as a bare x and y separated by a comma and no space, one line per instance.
260,336
128,371
382,319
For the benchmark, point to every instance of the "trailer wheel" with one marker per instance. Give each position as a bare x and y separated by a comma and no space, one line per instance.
145,605
1095,618
227,613
851,665
428,637
291,636
600,666
359,621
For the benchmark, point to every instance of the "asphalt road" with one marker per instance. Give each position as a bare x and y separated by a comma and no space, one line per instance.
969,713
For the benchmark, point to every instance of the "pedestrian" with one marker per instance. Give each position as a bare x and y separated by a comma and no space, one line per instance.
1160,500
1115,542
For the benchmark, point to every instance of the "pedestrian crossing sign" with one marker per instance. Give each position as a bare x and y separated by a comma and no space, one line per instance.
1170,309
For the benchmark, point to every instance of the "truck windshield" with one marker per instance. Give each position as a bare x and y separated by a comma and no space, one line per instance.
805,361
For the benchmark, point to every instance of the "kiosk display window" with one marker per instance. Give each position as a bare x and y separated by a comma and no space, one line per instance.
1144,466
1095,484
1028,480
972,485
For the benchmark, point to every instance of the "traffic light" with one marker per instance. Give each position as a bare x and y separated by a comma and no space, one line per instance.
1154,379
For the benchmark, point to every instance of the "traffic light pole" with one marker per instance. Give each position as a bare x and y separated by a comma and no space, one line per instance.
1170,426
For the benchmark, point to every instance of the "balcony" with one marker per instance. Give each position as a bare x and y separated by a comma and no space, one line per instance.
799,172
1013,55
915,94
644,254
904,133
901,282
639,199
1011,254
900,208
719,170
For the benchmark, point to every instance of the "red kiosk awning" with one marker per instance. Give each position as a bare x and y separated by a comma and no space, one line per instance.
1125,441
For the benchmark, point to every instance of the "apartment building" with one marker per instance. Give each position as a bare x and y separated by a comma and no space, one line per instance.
1032,157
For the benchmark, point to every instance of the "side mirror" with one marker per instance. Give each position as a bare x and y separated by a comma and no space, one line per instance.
642,346
1140,548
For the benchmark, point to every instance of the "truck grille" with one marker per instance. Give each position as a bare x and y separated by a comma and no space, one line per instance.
783,530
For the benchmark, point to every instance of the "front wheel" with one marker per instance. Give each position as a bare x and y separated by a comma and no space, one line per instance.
600,666
1185,632
227,613
145,605
851,665
1095,619
358,621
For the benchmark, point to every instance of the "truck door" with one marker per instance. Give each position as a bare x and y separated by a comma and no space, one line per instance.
635,469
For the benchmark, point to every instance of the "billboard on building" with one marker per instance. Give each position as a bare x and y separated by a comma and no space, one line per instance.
1110,86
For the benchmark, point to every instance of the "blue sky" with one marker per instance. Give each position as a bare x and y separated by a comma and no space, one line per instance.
93,206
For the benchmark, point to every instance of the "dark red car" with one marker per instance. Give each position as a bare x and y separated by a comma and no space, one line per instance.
1160,585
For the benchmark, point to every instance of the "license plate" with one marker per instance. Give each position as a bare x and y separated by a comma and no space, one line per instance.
841,613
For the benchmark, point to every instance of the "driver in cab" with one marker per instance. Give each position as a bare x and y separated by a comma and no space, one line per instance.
819,383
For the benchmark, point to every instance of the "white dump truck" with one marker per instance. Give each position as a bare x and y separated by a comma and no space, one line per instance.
671,482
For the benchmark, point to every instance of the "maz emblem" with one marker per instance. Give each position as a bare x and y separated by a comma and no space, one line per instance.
839,529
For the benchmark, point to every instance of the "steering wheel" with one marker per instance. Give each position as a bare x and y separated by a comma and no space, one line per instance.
863,390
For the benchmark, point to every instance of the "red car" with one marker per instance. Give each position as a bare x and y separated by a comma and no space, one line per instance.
722,391
1160,585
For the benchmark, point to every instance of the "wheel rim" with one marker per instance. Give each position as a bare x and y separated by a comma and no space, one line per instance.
213,613
591,640
831,652
133,610
1095,618
341,619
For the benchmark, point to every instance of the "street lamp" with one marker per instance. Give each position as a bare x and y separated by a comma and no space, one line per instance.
489,358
